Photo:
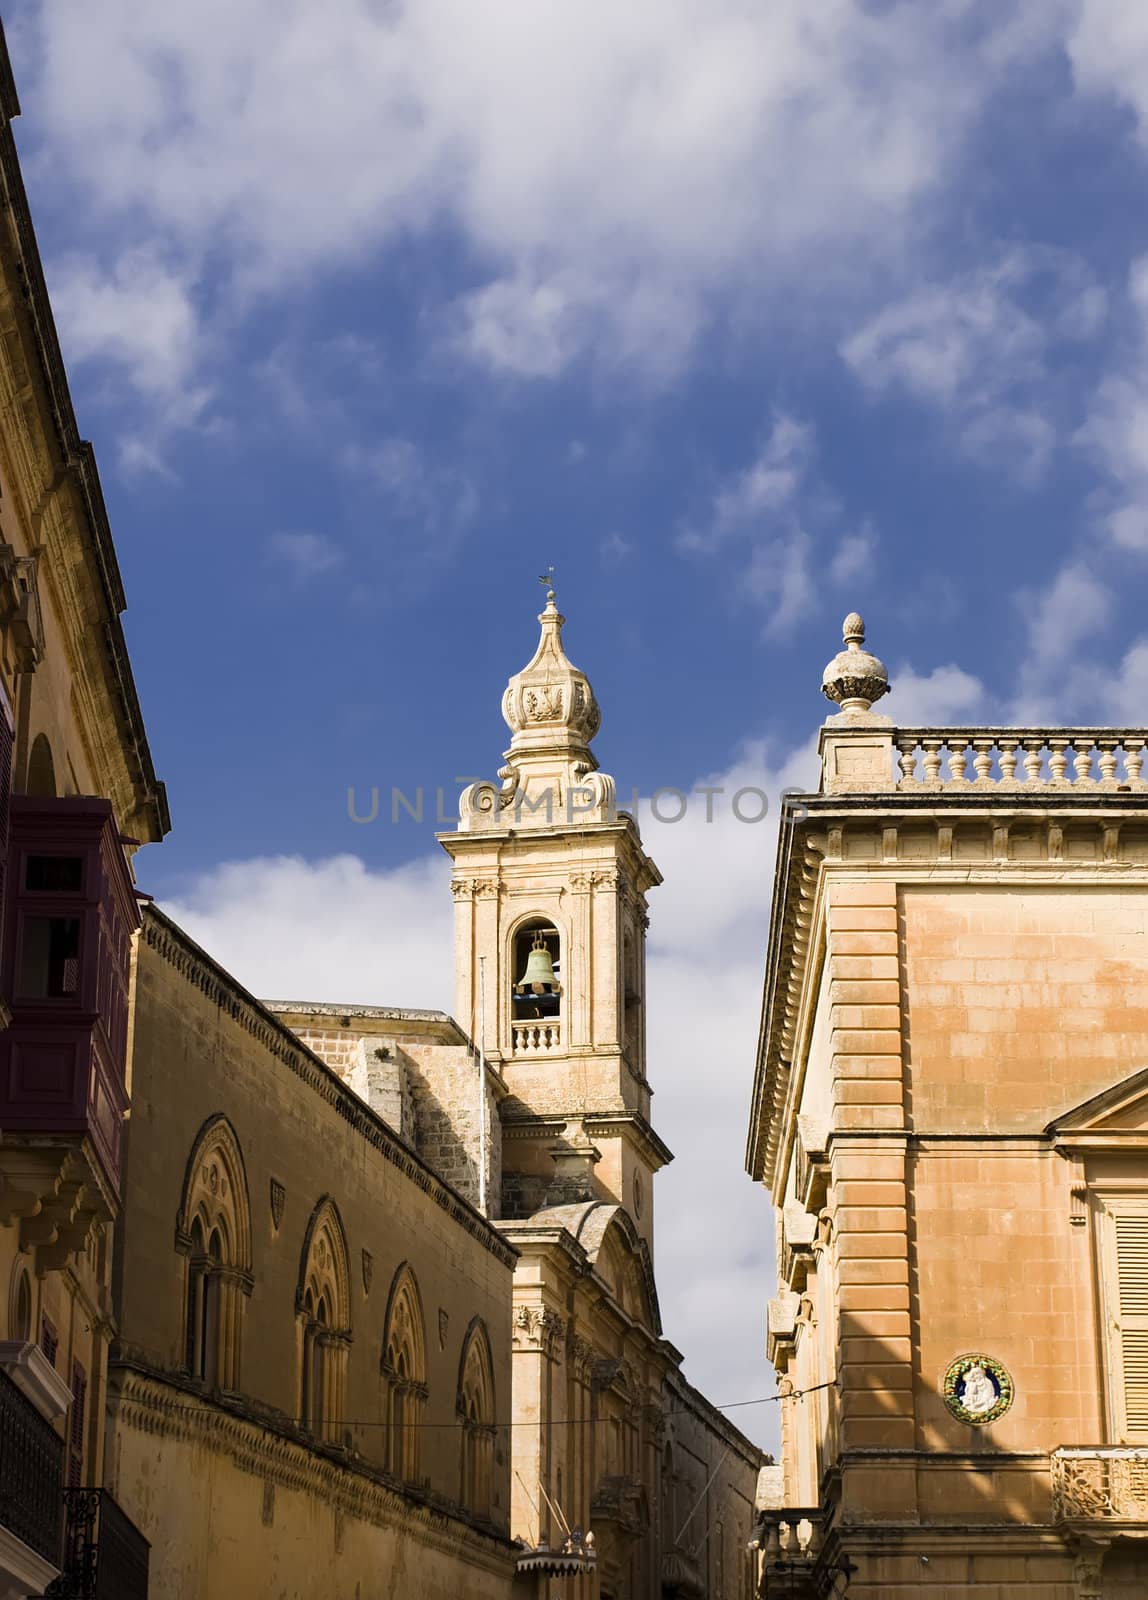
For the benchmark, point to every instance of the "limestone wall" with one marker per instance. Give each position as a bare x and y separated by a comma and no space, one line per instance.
1021,1002
203,1048
421,1074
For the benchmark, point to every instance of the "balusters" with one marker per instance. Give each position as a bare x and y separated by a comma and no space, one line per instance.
1084,758
536,1038
1032,759
907,760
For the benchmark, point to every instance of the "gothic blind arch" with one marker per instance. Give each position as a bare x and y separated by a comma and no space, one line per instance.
476,1410
323,1308
213,1231
41,776
404,1373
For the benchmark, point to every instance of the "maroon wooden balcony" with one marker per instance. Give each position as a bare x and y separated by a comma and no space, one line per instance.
69,914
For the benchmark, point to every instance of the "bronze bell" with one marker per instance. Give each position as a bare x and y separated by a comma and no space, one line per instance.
539,975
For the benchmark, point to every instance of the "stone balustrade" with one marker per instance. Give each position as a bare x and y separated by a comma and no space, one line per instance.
537,1038
1100,1485
1100,759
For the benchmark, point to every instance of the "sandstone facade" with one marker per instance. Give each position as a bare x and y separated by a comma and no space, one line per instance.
76,782
951,1115
309,1394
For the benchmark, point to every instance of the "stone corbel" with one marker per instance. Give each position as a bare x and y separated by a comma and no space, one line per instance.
20,612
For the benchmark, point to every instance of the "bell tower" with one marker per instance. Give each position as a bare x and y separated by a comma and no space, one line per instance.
550,882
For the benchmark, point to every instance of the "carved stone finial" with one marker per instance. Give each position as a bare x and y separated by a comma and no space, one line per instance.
854,679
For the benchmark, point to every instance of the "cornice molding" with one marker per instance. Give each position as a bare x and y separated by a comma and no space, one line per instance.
180,952
142,1398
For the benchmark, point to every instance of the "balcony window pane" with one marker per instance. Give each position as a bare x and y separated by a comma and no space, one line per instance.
49,958
54,874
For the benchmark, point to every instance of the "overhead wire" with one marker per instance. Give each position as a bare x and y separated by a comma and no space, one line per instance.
209,1402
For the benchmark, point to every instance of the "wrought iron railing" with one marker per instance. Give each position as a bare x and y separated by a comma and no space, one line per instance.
1100,1485
31,1467
105,1554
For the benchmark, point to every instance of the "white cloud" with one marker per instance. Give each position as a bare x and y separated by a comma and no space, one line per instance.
326,930
138,314
976,346
305,555
138,317
441,499
946,694
768,485
1108,51
614,549
1055,680
611,166
854,556
785,519
1018,441
1115,433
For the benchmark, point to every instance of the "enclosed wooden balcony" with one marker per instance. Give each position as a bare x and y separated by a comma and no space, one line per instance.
69,915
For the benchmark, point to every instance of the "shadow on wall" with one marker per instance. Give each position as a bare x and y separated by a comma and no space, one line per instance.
969,1479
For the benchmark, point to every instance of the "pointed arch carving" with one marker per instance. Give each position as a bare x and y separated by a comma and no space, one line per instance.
404,1372
323,1310
213,1232
476,1410
215,1191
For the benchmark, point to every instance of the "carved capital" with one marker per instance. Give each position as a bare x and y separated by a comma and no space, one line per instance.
537,1328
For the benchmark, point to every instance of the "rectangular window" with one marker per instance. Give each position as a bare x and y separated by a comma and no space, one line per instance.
1126,1292
54,874
49,958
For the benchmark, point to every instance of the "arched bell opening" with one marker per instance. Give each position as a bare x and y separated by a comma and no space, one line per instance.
536,987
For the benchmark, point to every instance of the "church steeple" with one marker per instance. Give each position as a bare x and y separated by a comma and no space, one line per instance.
551,775
550,884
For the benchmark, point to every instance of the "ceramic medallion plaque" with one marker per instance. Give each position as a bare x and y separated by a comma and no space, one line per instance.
977,1389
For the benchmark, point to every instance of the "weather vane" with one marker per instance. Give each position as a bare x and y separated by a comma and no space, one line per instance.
548,579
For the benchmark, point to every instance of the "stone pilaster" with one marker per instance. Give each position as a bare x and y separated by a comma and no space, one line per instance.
868,1163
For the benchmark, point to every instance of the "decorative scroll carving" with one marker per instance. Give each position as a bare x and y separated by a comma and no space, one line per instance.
1102,1485
537,1328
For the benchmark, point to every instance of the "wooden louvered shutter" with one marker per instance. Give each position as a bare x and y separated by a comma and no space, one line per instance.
76,1426
1128,1307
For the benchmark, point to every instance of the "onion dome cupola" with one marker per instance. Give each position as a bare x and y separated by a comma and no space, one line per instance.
551,777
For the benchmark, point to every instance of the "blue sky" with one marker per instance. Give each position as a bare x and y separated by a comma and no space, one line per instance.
742,316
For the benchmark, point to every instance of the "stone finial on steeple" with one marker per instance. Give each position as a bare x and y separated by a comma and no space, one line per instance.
550,778
854,679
